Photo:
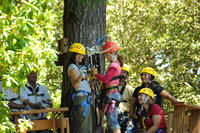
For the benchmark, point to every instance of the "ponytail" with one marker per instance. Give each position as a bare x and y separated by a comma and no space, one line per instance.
120,59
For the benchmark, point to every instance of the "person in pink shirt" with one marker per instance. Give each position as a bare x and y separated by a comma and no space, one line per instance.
111,81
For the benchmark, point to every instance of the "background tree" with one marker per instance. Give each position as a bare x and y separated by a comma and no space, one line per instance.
84,22
163,35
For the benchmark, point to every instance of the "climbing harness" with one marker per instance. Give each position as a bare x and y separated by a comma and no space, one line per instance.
86,103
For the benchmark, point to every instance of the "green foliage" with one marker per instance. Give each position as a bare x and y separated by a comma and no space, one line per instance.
5,124
24,125
163,34
28,40
29,30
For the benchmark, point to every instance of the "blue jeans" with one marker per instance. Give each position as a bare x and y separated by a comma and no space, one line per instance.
112,117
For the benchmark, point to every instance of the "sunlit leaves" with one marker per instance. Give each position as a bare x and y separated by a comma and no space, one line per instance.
163,34
29,31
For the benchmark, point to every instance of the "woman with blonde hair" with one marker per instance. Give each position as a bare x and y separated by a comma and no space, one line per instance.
153,120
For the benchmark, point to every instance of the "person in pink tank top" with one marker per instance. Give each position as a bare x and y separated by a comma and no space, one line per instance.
111,81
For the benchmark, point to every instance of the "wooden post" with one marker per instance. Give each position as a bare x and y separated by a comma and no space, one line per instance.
16,117
54,122
195,121
169,121
186,118
178,121
62,45
62,119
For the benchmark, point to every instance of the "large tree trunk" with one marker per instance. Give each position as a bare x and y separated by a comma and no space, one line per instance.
84,22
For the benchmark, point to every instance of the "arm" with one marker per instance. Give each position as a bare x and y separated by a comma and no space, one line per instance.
156,123
109,75
132,107
49,102
75,80
13,105
25,99
32,105
168,96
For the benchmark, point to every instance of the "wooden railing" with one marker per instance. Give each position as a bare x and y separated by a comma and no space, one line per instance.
184,119
44,124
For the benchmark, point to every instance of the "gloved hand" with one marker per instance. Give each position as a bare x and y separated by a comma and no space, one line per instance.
130,125
93,71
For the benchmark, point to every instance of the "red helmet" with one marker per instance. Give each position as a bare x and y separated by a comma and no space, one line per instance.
112,46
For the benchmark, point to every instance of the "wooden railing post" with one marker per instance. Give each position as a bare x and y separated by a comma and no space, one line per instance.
186,118
195,121
178,118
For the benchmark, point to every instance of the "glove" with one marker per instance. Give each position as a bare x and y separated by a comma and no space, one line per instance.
129,125
93,71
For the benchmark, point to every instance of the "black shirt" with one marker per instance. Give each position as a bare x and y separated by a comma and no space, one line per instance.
157,89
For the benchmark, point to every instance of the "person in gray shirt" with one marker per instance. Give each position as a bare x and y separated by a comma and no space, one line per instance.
82,109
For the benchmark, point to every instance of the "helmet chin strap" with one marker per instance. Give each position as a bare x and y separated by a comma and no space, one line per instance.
144,101
145,98
114,57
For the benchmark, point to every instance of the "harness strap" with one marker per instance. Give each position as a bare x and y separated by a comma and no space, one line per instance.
30,88
116,77
143,124
112,89
34,93
122,90
12,99
86,103
42,94
110,105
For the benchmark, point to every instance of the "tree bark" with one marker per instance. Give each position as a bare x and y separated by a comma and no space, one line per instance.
84,22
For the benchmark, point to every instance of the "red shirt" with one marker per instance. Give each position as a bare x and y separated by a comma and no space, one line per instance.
154,110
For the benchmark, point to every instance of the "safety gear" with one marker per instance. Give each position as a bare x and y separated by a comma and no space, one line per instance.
149,70
35,69
86,103
112,106
126,68
110,47
148,92
77,48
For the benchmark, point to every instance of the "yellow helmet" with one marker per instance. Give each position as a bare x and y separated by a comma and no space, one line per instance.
149,70
77,48
126,68
148,92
